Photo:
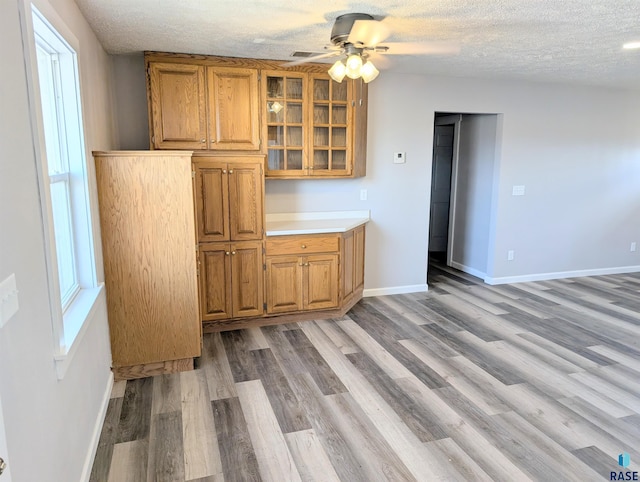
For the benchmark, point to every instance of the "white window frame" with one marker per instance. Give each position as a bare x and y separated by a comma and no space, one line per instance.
73,313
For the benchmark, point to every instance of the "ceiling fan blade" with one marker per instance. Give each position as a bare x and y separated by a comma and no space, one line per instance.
421,48
380,61
368,32
313,58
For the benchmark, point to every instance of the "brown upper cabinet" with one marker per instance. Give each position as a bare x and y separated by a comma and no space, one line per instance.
203,108
229,197
313,126
305,124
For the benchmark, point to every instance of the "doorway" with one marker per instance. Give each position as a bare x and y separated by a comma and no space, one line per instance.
6,475
463,188
443,183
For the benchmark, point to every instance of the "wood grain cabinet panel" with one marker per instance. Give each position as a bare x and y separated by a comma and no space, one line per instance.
229,199
284,284
320,281
352,263
177,106
246,201
212,201
215,281
233,108
149,256
247,279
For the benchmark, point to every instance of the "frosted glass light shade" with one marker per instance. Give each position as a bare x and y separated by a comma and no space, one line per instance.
369,72
354,64
337,71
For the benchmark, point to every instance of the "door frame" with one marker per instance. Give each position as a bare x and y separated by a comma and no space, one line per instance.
6,476
456,120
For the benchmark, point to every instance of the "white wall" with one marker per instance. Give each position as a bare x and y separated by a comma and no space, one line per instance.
132,120
475,173
49,422
575,148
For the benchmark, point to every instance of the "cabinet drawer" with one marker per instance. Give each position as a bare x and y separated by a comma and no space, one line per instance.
328,243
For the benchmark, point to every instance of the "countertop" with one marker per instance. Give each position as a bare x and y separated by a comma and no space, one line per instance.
282,224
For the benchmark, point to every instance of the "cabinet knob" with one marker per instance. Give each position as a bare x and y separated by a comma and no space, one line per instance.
203,140
230,171
227,253
233,252
224,171
213,141
300,264
306,264
304,246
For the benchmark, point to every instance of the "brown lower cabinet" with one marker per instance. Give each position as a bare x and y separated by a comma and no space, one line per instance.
240,282
297,283
231,280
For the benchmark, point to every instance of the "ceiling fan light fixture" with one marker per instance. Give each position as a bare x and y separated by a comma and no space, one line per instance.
369,72
338,71
354,65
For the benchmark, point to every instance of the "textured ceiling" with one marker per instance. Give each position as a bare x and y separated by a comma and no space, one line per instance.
576,41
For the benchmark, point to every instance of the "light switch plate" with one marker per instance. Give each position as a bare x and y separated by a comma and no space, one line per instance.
8,299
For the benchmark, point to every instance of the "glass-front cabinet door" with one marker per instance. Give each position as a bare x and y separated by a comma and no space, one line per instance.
285,108
330,120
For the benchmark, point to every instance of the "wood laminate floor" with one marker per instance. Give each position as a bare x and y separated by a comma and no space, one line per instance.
531,381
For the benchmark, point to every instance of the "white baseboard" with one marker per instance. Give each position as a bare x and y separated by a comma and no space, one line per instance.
395,290
561,274
97,430
468,270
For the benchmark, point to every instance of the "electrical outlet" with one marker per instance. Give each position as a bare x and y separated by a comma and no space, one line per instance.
633,246
510,255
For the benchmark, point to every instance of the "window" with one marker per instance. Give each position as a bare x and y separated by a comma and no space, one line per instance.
65,196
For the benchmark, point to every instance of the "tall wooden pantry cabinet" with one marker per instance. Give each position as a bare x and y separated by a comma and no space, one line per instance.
149,250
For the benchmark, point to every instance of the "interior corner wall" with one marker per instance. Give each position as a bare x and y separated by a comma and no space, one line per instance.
476,160
130,86
49,423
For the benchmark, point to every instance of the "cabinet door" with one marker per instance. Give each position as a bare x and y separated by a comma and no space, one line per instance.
330,123
320,281
178,110
212,201
246,279
284,284
358,258
215,281
245,201
233,108
285,121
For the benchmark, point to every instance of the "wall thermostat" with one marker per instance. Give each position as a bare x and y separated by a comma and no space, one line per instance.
399,158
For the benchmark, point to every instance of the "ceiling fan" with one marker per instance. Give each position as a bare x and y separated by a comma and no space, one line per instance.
358,36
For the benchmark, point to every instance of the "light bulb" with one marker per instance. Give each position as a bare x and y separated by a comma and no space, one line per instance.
337,71
354,64
369,72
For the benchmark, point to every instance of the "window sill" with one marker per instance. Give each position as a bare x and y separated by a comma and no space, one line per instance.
77,319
